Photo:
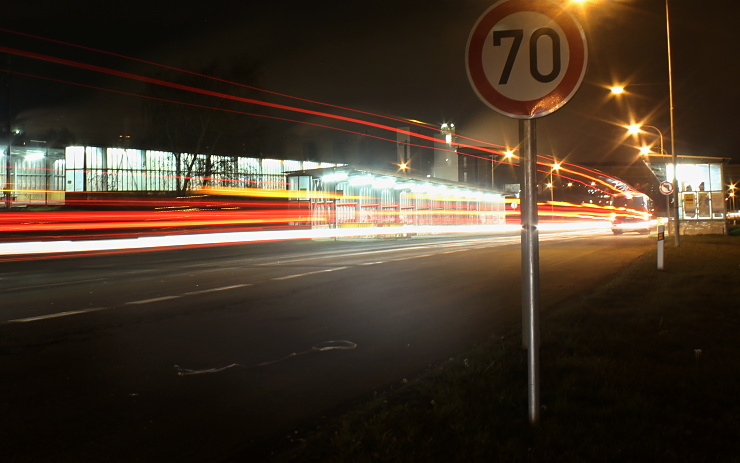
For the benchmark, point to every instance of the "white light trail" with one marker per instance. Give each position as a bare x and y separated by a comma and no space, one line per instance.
152,242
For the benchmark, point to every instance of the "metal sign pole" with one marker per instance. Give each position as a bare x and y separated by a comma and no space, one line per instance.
525,93
530,265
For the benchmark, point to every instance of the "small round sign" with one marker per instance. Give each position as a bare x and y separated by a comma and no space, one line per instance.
526,58
666,188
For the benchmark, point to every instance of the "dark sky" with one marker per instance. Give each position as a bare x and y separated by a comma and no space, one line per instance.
403,59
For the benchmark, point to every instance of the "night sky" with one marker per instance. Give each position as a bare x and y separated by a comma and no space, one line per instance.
403,59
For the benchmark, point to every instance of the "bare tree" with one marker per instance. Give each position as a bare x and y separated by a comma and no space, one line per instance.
185,122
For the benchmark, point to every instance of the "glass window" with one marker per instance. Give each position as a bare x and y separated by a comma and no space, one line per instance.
292,166
715,177
74,157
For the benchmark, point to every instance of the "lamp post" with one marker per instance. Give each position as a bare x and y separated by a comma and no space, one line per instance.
555,166
637,128
8,175
508,154
47,169
8,160
673,144
617,90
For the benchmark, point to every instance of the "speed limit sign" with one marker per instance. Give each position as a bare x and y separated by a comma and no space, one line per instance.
526,58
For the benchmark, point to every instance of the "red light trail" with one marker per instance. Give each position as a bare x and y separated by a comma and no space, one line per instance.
185,71
187,88
593,179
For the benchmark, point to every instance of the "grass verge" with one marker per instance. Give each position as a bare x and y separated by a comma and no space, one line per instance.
646,368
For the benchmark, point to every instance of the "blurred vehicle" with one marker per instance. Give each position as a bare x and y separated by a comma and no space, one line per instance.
633,212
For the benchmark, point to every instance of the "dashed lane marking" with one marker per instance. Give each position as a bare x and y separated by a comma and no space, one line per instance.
154,299
139,302
298,275
56,315
213,290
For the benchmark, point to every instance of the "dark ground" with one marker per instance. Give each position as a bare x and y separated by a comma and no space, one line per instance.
643,368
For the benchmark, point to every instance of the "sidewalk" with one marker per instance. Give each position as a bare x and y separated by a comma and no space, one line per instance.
645,368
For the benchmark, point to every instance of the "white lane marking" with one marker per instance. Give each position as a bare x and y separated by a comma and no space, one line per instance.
213,290
51,285
143,301
297,275
154,299
56,315
404,248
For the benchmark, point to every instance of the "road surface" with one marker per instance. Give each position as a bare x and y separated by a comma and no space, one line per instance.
193,355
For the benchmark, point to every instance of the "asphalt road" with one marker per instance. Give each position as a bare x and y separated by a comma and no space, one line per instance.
194,355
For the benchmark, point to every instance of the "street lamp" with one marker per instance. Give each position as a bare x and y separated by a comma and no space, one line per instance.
673,144
47,168
508,154
637,128
634,129
615,90
555,166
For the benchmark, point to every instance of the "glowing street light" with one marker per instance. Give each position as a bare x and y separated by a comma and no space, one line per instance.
634,129
617,90
508,154
555,166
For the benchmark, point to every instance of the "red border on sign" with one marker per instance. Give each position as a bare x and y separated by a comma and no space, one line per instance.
567,86
666,188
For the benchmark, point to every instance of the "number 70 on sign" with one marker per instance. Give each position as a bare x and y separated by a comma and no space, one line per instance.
534,55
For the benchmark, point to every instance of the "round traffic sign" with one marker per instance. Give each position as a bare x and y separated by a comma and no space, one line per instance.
526,58
666,187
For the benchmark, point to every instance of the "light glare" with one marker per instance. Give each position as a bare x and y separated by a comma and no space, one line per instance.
634,129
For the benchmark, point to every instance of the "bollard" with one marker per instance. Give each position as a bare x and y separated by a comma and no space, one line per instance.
661,244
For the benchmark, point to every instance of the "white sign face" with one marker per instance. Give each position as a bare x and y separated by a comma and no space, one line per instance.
526,58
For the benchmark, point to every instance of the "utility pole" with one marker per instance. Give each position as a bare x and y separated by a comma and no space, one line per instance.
8,163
